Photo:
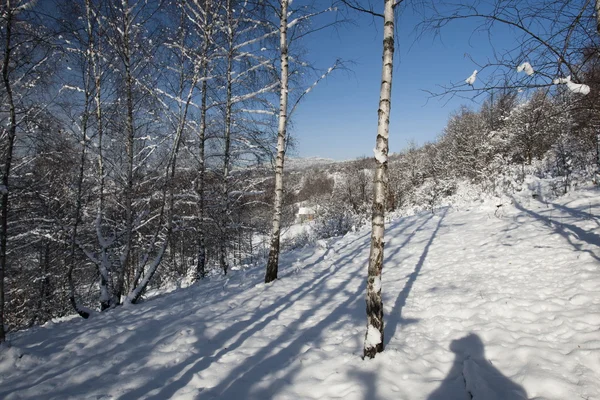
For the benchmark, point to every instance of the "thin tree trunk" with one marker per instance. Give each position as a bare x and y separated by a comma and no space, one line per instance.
374,336
44,292
227,153
84,129
273,260
126,256
12,131
201,263
77,213
103,265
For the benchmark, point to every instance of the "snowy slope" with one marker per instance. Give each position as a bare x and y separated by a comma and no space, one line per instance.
479,305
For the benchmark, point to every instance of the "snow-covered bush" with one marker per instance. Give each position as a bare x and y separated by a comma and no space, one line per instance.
304,238
336,219
432,191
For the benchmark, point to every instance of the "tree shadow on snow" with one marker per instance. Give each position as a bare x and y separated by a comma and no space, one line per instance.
248,379
473,377
113,358
368,382
261,375
583,212
568,231
395,318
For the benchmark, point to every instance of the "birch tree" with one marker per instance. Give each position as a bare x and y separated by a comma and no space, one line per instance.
248,82
283,11
273,260
374,337
373,343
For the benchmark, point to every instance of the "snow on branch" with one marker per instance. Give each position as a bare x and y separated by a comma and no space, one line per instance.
264,63
572,86
471,79
308,16
254,40
25,6
526,67
335,66
248,96
69,87
265,112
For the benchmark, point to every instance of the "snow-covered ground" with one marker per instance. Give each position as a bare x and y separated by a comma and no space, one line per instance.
500,302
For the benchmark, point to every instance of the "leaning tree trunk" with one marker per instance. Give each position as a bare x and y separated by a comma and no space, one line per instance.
273,261
374,337
12,132
169,187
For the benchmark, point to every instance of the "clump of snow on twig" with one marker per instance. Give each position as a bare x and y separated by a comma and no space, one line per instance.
572,86
471,80
526,67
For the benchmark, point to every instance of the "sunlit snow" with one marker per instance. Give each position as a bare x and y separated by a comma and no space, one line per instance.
477,305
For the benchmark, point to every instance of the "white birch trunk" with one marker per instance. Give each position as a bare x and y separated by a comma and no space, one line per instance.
374,337
273,261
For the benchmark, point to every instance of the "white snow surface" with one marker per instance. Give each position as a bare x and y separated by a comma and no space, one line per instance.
477,304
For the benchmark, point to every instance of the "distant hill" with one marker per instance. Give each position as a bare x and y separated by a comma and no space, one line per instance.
307,162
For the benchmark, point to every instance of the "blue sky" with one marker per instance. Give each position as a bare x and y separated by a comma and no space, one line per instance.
339,118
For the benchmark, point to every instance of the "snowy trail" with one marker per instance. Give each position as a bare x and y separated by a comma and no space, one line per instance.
494,307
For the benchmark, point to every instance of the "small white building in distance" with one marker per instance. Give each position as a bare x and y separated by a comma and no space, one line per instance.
305,214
